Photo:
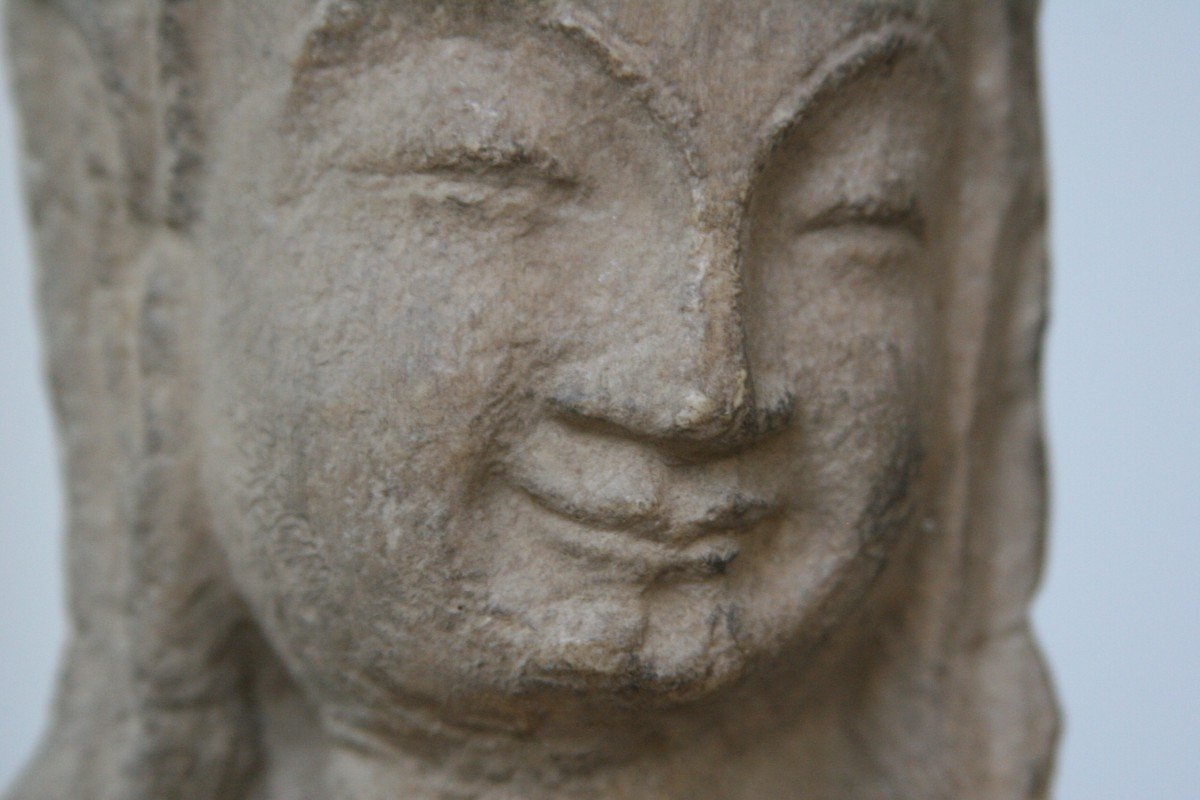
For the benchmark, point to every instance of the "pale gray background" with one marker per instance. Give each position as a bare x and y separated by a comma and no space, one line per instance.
1118,612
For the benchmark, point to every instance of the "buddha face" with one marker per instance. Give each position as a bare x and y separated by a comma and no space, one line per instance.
540,358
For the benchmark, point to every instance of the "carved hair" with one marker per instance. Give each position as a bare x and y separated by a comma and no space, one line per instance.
154,698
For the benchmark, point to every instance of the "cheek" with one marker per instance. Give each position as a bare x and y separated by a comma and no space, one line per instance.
344,489
850,338
368,322
861,429
860,383
361,382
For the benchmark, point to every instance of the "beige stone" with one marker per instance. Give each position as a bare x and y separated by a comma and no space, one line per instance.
596,399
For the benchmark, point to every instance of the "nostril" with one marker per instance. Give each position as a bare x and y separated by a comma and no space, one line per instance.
736,426
600,412
685,415
694,425
699,410
772,416
715,414
583,408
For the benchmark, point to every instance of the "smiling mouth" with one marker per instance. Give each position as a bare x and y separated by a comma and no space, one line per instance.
643,539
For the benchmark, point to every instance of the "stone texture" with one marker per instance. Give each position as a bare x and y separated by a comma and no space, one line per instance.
535,400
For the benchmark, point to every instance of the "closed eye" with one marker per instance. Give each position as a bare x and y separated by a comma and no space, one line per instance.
903,216
509,190
508,163
493,188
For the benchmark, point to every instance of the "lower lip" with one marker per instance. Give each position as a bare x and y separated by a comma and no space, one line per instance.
636,557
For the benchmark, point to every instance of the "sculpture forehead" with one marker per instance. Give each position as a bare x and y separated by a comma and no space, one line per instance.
726,66
712,72
727,54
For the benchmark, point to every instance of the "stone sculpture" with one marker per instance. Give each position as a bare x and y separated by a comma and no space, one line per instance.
595,399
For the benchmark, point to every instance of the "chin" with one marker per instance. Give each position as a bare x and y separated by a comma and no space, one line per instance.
641,683
669,664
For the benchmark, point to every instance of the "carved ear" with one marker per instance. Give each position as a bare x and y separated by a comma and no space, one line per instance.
1008,702
992,705
152,699
195,734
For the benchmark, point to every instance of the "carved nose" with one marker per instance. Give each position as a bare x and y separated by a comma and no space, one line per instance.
675,370
647,405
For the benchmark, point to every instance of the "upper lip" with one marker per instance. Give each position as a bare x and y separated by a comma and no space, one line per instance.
726,512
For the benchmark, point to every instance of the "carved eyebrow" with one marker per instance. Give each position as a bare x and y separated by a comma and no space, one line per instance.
450,156
622,62
873,50
893,33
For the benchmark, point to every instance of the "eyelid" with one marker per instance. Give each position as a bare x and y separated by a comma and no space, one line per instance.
486,160
905,215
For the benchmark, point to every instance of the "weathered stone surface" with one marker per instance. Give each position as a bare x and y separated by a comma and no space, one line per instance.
535,400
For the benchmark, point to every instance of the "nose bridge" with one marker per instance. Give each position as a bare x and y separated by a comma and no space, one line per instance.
716,379
679,370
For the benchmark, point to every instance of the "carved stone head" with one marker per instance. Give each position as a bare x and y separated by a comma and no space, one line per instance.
542,399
